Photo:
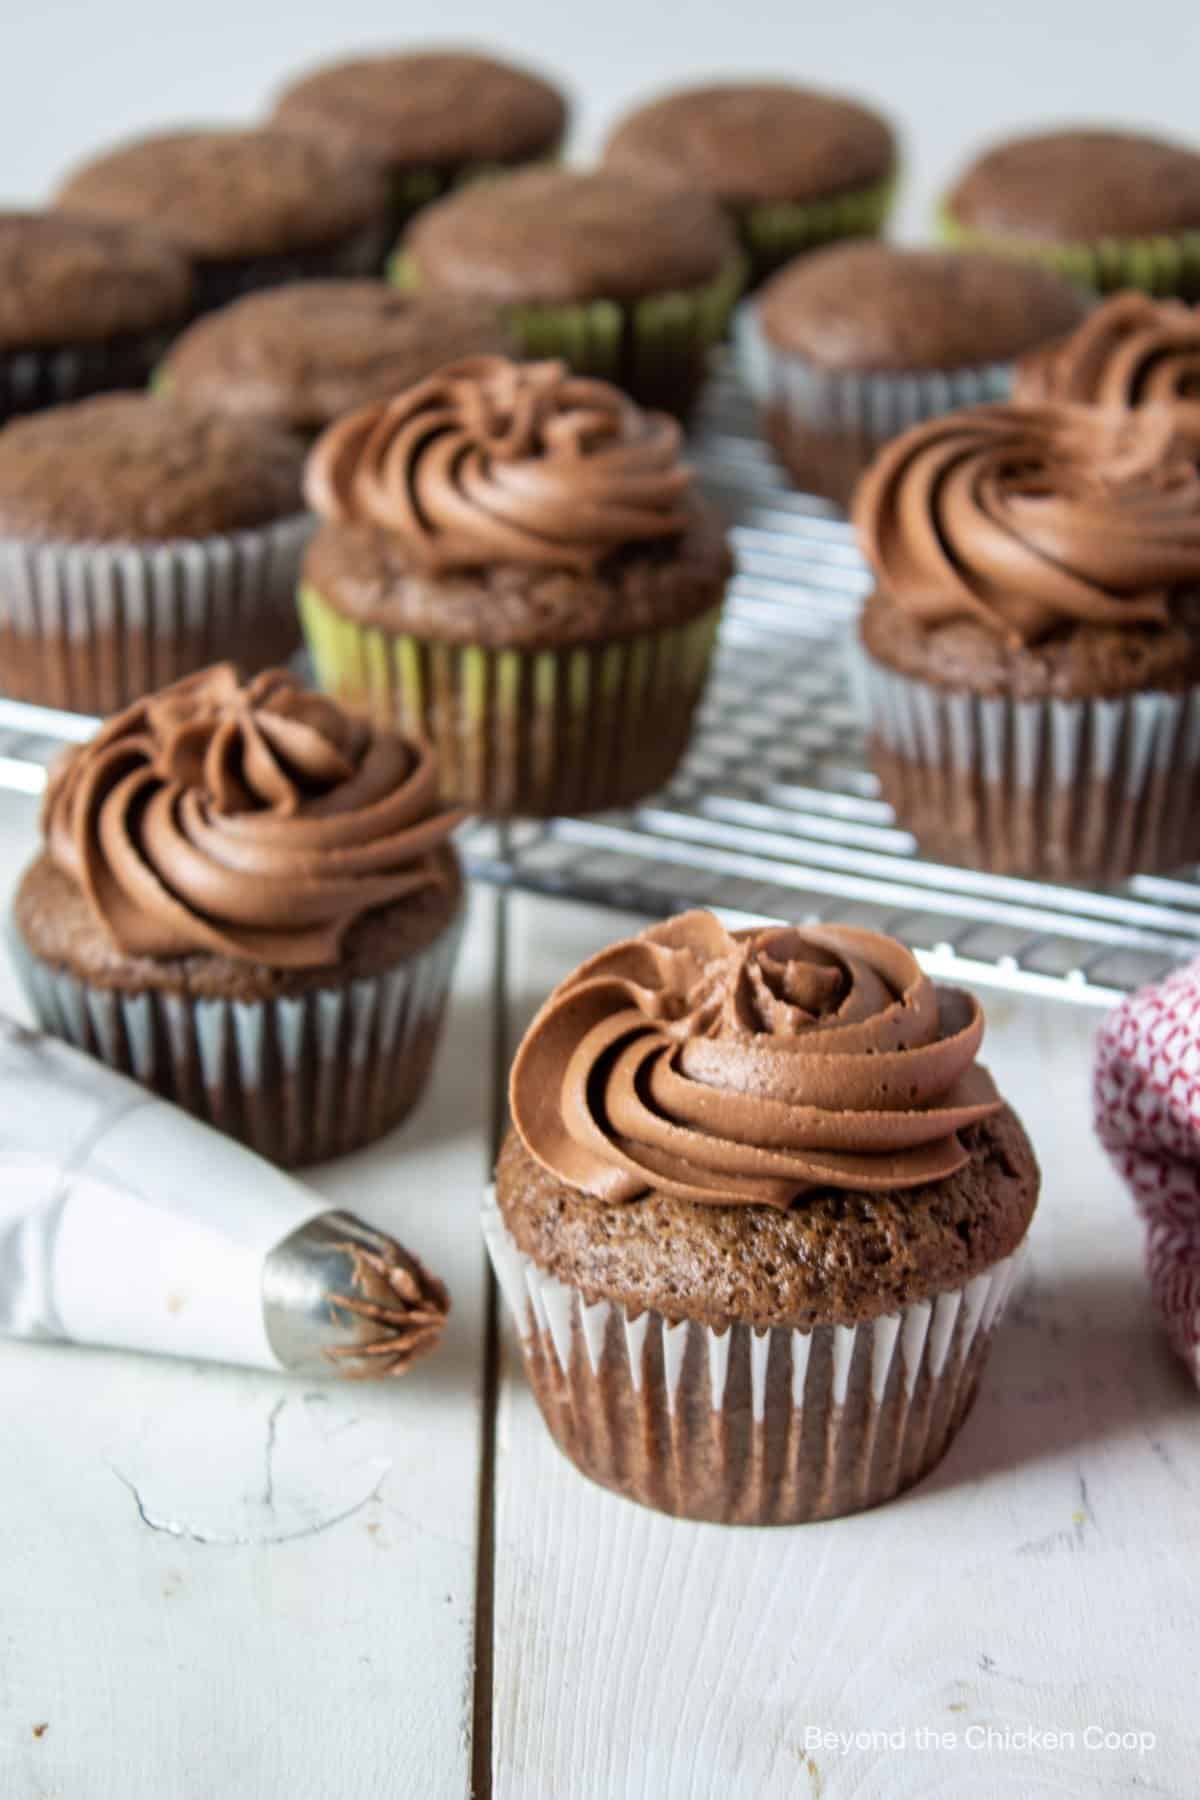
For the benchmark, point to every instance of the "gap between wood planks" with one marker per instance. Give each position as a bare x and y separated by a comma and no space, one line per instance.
485,1555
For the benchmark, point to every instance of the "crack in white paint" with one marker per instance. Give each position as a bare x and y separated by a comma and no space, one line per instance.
198,1534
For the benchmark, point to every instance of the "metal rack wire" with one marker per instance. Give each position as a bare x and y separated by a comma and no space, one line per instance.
774,814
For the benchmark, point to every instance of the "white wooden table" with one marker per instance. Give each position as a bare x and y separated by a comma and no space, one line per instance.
216,1585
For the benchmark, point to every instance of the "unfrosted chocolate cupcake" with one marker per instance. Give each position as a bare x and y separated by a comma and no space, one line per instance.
514,564
1131,351
852,345
757,1218
623,279
301,355
248,208
1033,643
793,168
140,539
249,903
1109,209
429,119
85,305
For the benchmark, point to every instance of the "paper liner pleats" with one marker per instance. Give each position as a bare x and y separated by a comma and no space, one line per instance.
826,424
296,1079
773,233
535,733
1164,265
1083,790
216,283
53,375
778,1427
656,348
91,627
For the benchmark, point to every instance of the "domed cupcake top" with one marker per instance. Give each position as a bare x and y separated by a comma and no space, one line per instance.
253,821
749,1067
1027,519
490,461
1132,351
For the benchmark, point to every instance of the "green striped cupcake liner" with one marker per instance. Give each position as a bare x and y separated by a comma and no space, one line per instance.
1168,267
656,348
529,733
411,189
772,234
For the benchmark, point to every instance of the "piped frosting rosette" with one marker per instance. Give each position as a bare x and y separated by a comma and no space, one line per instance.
748,1067
489,461
256,822
1132,351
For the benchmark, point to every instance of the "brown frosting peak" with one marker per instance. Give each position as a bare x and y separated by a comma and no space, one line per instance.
256,822
1132,351
749,1067
490,461
1030,518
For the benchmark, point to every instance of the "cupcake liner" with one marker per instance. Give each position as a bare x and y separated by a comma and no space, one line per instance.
1165,266
411,189
826,424
772,1427
533,732
1077,790
216,283
54,374
656,349
772,234
92,627
296,1079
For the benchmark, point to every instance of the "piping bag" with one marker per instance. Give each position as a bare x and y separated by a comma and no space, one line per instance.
125,1222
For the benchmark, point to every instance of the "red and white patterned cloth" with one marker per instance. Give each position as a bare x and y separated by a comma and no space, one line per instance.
1147,1103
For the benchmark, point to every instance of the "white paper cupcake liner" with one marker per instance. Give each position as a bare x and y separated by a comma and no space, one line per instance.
297,1079
741,1426
1072,789
91,627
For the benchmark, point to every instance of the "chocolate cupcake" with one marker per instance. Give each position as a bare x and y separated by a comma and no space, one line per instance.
299,356
1109,209
513,564
1033,643
248,208
139,540
249,903
428,119
1131,351
793,168
848,347
86,305
622,279
757,1218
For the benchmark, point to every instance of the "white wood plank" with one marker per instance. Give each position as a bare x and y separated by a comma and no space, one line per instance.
1045,1577
217,1583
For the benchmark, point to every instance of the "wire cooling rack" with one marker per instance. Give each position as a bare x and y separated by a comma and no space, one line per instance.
774,813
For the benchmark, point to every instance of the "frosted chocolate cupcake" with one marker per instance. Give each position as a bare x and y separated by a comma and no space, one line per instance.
622,279
248,208
302,355
1108,209
1033,643
249,903
793,168
514,564
86,305
1131,351
428,119
757,1217
139,540
852,345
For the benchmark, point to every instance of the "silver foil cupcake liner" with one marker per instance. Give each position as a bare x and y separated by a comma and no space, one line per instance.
92,627
741,1426
297,1079
1083,790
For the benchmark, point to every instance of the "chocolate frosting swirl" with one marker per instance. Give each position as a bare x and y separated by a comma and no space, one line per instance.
490,461
1132,351
1027,519
256,822
749,1067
